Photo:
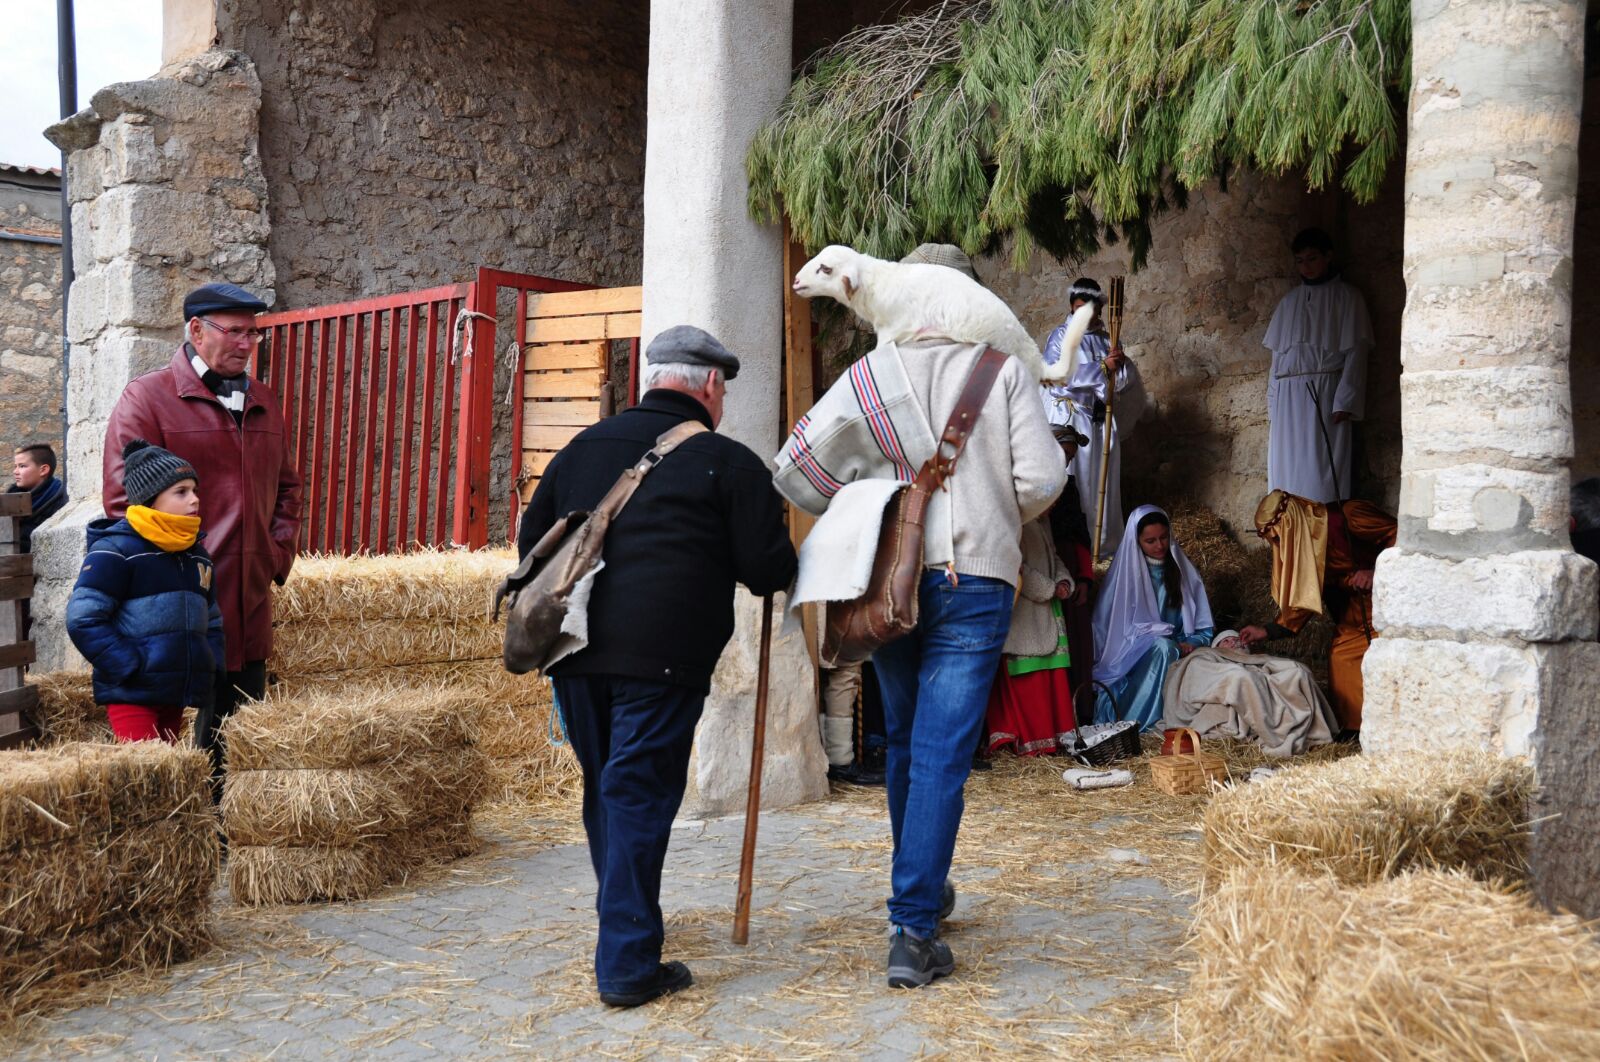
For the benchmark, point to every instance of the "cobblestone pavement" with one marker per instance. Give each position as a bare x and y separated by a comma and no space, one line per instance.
489,958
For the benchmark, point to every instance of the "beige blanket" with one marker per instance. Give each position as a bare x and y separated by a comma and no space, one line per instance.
1266,699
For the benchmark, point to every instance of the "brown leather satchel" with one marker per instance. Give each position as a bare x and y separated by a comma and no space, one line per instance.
854,630
544,586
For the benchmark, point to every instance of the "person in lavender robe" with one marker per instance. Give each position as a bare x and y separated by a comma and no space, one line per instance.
1080,402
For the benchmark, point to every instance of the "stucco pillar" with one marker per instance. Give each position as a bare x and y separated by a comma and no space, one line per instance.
1488,618
717,71
167,194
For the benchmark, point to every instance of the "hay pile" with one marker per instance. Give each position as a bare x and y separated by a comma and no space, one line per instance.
108,854
345,623
333,795
1366,818
1428,965
66,710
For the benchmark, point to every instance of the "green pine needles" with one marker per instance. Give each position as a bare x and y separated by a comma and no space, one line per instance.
1064,124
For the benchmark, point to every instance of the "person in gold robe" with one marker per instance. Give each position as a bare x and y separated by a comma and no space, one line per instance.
1322,562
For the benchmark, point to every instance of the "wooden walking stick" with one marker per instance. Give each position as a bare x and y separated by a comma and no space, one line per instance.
752,808
1114,320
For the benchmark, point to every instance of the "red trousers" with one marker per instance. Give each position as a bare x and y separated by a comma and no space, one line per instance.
142,722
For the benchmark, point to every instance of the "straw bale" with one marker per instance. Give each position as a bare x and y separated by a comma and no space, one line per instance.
426,585
108,854
66,710
512,716
309,648
345,806
1429,965
175,932
1366,818
87,789
260,875
346,725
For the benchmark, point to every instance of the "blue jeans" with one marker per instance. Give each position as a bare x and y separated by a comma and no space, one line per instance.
632,738
935,683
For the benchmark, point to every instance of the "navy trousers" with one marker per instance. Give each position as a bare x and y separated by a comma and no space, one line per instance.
633,739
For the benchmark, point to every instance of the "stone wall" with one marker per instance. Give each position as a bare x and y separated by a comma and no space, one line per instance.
1194,321
407,142
167,193
30,312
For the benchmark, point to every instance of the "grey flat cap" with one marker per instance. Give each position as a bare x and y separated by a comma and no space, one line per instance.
945,254
692,346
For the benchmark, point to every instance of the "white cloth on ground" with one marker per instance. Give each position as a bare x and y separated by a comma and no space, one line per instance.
1072,402
1319,337
1127,619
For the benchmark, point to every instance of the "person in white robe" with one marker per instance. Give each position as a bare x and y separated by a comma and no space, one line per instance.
1319,338
1080,402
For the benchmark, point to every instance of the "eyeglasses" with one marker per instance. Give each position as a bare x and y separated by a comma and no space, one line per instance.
254,335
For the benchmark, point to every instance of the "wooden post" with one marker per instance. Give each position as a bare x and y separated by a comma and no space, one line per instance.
17,700
800,392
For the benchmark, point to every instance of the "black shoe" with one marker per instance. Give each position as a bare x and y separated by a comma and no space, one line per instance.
981,763
670,977
947,899
914,963
1348,737
855,773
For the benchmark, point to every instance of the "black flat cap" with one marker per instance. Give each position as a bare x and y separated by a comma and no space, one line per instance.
692,346
220,298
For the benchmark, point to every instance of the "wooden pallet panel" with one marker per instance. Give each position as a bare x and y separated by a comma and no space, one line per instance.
548,436
584,384
566,329
592,301
17,588
563,412
546,357
18,504
16,655
22,699
16,564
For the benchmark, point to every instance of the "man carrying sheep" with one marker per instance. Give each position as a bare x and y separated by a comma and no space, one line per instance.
660,613
879,422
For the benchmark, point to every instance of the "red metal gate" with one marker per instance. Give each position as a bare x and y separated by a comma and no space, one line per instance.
426,359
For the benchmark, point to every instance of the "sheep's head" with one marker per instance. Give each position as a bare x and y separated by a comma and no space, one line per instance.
834,272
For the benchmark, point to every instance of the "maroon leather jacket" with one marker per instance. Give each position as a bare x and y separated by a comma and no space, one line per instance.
249,488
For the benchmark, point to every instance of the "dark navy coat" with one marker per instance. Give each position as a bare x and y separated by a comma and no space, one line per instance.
146,620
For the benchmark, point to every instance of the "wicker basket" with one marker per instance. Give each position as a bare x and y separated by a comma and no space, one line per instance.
1097,745
1183,774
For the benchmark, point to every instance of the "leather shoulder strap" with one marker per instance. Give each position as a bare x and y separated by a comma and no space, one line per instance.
963,419
630,479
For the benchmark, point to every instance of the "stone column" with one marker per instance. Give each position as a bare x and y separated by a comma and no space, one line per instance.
717,71
167,194
1488,618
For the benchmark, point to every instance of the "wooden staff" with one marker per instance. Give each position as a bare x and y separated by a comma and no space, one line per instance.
1114,319
752,807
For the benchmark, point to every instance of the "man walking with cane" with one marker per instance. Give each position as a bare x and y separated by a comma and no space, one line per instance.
660,613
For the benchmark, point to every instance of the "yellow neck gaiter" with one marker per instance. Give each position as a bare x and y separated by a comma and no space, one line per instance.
166,530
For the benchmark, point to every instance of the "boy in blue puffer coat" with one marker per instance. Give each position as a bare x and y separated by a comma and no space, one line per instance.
144,612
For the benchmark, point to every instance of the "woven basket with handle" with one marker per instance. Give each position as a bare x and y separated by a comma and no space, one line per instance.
1186,773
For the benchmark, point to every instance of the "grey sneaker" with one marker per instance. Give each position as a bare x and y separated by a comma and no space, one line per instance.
947,899
914,962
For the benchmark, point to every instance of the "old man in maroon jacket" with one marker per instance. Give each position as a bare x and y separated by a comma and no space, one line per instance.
205,408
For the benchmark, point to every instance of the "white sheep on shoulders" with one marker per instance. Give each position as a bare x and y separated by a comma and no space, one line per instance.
905,301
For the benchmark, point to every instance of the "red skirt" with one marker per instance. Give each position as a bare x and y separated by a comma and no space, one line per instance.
1028,713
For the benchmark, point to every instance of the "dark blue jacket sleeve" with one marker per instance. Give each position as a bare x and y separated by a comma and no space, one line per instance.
763,557
91,610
